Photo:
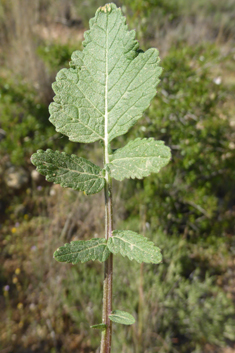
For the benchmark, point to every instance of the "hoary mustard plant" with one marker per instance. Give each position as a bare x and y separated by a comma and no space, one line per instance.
109,85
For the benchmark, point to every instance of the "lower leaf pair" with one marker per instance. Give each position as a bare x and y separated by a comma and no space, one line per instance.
137,159
118,316
127,243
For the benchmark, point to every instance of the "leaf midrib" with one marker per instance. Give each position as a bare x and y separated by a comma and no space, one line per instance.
125,241
86,249
97,176
145,157
106,137
120,316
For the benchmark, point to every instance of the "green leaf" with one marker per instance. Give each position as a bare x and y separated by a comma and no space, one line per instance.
69,171
101,327
109,85
122,317
139,158
82,251
134,246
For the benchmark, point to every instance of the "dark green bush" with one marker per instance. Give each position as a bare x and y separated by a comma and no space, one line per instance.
57,55
24,120
189,205
188,197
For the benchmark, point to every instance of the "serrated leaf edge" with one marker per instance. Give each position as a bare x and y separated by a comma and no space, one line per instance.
159,143
129,255
103,243
63,184
69,155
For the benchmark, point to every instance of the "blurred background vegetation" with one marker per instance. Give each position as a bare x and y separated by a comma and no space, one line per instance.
187,303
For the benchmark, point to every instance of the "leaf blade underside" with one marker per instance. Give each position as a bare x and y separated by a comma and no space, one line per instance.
121,317
83,251
139,158
69,171
134,246
109,85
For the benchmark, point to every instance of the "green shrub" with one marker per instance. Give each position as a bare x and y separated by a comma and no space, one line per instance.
57,55
189,206
25,122
188,197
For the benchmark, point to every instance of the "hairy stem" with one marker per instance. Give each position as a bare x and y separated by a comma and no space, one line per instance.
106,338
142,212
108,271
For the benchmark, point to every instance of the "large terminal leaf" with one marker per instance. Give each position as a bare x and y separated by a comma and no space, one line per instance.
139,158
82,251
109,85
134,246
69,171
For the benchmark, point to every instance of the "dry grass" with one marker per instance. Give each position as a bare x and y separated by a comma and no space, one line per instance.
37,315
24,26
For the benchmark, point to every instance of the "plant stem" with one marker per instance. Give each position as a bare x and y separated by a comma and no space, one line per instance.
141,284
108,271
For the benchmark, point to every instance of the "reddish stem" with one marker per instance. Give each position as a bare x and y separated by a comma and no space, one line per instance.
106,338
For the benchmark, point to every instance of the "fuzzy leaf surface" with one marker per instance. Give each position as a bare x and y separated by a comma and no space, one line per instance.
82,251
122,317
139,158
134,246
109,85
69,171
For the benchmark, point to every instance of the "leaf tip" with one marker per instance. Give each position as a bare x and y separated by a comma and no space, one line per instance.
107,8
55,253
34,156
